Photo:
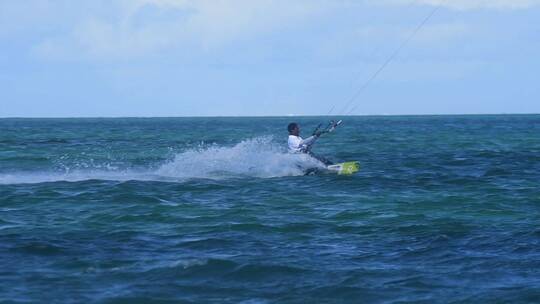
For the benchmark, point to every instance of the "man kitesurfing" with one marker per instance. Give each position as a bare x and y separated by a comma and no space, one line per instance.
299,145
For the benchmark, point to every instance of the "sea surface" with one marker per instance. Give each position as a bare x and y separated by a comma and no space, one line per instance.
445,209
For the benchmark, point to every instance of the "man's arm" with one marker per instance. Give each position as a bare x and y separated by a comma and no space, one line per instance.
308,142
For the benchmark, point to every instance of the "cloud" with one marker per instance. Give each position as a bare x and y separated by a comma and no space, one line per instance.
104,29
144,26
469,4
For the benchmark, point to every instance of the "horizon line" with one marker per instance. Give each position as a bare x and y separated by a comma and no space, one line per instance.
262,116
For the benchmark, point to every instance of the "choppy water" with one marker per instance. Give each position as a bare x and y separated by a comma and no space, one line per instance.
445,209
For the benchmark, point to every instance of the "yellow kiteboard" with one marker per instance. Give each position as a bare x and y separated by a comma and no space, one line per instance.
347,168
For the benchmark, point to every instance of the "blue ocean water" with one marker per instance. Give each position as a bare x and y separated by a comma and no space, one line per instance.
445,209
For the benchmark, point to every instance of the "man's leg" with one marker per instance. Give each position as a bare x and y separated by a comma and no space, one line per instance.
321,159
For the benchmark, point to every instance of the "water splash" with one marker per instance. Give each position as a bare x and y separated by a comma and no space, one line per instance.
258,157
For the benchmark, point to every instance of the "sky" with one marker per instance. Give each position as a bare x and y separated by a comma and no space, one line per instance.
127,58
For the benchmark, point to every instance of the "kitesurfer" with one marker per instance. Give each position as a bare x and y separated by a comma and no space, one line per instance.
298,145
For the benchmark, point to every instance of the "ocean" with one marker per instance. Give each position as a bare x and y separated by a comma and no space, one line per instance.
445,209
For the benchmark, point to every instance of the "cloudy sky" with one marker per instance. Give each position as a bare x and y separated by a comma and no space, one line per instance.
63,58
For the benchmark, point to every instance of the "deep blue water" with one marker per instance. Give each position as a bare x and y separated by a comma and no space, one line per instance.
446,209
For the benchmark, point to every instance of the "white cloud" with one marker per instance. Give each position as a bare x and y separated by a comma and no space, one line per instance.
132,28
443,32
469,4
143,26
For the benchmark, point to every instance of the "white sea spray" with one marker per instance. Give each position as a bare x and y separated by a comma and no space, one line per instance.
258,157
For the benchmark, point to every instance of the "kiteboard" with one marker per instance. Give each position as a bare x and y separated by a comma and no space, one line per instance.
347,168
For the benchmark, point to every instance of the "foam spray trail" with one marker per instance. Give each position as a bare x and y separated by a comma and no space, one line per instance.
72,176
258,157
